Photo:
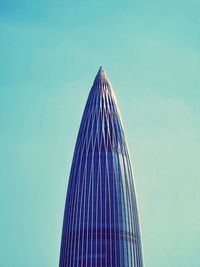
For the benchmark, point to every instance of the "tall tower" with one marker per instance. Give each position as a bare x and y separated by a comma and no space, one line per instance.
101,227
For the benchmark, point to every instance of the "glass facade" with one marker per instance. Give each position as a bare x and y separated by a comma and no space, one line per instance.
101,226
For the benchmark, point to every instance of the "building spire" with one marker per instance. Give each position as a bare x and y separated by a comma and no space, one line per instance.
101,76
101,73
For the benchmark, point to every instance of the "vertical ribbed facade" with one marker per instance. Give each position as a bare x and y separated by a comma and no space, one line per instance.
101,226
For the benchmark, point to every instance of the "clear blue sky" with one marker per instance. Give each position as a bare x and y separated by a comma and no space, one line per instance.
50,52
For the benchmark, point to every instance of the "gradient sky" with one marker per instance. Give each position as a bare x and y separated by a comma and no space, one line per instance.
50,52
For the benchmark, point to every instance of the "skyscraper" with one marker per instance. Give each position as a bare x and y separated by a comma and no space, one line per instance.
101,226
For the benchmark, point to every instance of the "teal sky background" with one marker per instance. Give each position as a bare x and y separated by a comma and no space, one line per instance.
50,52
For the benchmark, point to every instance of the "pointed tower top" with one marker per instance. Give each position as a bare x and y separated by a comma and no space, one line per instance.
101,76
101,73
